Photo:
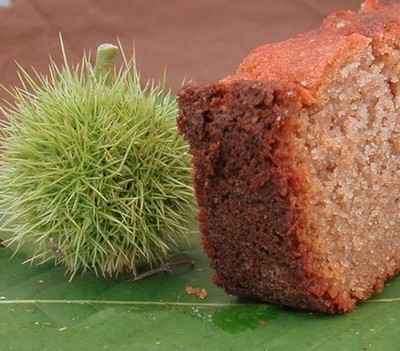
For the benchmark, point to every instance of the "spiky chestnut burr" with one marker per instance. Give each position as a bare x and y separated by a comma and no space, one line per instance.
93,174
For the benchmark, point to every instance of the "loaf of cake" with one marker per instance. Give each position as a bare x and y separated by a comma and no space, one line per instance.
296,163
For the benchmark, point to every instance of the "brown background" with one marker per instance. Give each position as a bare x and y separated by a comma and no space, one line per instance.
201,40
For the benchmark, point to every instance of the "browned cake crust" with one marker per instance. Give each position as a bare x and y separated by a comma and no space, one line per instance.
255,188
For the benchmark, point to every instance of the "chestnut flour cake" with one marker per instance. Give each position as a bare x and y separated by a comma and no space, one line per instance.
296,164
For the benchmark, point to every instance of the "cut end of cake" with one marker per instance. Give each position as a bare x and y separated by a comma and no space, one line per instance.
349,146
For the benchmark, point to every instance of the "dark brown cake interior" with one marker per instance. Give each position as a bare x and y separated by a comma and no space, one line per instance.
242,186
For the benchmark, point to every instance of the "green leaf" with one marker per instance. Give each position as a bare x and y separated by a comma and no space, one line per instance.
40,310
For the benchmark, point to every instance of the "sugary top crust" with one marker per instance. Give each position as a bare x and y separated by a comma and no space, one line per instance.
307,60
